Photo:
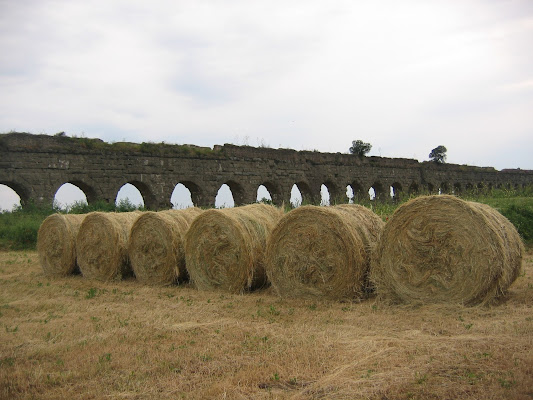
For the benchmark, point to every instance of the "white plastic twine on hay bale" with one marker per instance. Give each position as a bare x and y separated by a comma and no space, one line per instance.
56,243
441,249
224,249
102,244
156,248
322,252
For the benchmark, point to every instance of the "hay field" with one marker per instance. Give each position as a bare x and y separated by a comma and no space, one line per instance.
73,338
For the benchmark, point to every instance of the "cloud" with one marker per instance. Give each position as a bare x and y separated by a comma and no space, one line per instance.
303,74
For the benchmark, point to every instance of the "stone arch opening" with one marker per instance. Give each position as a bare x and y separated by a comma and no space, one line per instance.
376,191
305,192
68,195
88,190
149,199
273,190
395,191
20,191
430,188
130,194
263,195
224,197
350,194
181,197
414,189
358,192
237,192
195,192
444,188
296,196
334,194
324,195
469,187
9,198
456,188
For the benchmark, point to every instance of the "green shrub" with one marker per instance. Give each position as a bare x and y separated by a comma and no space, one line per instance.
81,207
125,205
18,228
522,219
25,234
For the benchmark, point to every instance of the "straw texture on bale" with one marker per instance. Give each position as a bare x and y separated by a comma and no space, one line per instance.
322,252
224,249
102,245
56,243
437,249
155,245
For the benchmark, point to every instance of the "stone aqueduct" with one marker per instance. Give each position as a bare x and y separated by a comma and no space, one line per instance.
35,166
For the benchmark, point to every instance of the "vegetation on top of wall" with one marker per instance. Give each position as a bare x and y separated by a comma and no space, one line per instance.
82,142
144,147
464,167
165,148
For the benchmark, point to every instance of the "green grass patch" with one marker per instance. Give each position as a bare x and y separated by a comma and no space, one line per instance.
18,228
516,206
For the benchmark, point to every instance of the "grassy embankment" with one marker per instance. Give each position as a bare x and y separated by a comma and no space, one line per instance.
18,228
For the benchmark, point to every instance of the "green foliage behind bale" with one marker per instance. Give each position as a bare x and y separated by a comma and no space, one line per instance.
24,234
522,219
18,228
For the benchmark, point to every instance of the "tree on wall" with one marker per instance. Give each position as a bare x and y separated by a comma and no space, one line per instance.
360,148
438,154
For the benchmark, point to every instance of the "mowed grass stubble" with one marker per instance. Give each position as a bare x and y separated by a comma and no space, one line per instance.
72,337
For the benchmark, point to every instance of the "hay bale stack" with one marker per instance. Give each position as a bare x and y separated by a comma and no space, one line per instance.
102,244
56,244
322,252
224,249
155,246
438,249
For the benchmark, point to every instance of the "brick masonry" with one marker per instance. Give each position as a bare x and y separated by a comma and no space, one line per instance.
35,166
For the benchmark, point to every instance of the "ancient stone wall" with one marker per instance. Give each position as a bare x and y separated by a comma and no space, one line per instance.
35,166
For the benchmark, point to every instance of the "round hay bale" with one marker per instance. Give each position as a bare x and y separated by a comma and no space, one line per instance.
102,244
189,213
155,246
56,243
322,252
224,249
437,249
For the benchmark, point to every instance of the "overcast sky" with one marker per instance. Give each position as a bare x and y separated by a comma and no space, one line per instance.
405,76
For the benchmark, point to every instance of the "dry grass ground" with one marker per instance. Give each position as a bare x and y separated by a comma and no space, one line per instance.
73,338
